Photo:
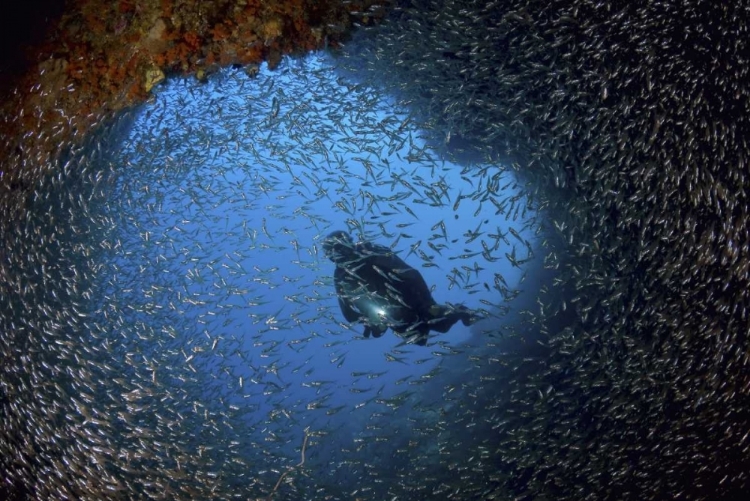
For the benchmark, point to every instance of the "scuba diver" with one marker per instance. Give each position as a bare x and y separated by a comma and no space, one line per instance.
378,289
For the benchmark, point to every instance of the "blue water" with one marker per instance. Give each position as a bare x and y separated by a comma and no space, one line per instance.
215,289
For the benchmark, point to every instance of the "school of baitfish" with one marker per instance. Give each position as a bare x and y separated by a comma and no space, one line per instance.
142,355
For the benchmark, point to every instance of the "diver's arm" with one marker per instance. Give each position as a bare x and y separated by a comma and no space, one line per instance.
352,316
346,308
376,332
349,314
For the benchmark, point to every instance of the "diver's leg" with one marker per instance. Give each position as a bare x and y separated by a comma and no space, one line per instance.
466,315
422,333
415,333
444,317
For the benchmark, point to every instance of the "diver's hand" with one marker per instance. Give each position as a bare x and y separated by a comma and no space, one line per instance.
375,332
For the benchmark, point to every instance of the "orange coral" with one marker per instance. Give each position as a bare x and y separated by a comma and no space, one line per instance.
126,6
220,31
192,40
135,91
166,7
253,54
95,24
107,44
175,56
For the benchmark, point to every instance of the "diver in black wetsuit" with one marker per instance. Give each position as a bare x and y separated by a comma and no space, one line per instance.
378,289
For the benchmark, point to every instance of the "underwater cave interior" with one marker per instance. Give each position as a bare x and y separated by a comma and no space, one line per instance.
576,171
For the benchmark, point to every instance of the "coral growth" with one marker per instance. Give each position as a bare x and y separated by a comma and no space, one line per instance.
112,51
